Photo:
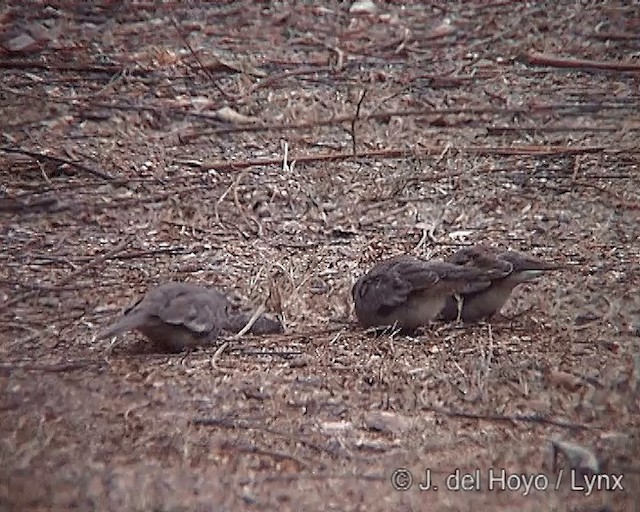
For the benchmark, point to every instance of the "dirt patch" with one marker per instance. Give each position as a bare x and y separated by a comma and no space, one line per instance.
215,144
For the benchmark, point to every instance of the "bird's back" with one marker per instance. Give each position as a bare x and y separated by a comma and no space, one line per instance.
408,291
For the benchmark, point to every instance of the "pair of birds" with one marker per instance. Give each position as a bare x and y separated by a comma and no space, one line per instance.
403,291
472,285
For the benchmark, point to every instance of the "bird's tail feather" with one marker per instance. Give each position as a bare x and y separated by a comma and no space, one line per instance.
127,323
262,324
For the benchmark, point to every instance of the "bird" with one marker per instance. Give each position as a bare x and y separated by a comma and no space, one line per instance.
175,316
483,299
409,292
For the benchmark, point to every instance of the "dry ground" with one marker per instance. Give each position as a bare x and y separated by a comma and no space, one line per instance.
120,169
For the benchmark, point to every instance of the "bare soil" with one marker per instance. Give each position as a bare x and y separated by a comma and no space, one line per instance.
278,150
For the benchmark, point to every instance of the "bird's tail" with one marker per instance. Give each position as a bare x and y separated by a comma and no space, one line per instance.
266,325
263,324
128,323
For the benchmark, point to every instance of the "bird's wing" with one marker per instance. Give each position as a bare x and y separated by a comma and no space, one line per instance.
474,286
416,274
483,258
162,295
197,308
390,283
470,273
200,311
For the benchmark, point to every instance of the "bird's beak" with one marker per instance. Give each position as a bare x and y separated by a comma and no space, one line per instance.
528,275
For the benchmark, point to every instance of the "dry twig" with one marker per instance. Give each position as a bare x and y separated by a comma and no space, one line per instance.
71,276
543,59
58,160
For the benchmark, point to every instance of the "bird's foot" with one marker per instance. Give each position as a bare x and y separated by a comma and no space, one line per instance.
459,304
511,318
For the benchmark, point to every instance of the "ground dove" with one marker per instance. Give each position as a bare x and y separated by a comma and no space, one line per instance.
483,299
409,292
176,316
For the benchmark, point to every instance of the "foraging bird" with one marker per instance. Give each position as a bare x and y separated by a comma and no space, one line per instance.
175,316
409,292
483,299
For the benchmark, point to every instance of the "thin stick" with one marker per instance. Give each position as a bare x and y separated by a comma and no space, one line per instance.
354,120
60,367
252,320
532,418
543,59
195,56
58,160
404,153
278,455
69,277
567,108
238,423
216,355
236,200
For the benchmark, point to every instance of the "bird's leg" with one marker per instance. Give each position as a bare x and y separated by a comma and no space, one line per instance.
187,352
459,303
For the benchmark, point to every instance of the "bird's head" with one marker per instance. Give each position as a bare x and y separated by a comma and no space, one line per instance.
480,256
526,267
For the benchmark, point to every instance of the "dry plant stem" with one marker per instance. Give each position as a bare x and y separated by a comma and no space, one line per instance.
531,418
216,210
278,455
543,59
115,79
175,250
404,153
619,36
58,160
216,355
190,135
251,321
31,64
622,202
440,158
354,120
273,353
275,78
53,368
71,276
236,200
233,423
502,130
195,56
14,205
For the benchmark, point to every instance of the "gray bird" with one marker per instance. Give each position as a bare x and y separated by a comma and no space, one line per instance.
483,299
409,292
175,316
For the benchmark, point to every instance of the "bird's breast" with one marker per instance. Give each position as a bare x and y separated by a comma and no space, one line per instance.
486,303
418,310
